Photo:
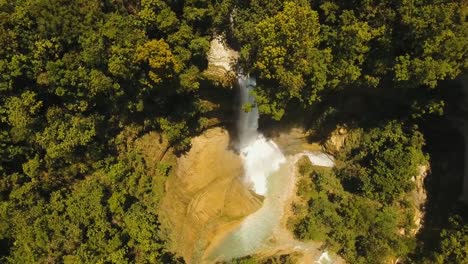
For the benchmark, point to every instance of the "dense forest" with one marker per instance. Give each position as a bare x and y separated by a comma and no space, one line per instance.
84,83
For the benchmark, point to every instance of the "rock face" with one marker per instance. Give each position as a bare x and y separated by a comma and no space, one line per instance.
205,196
220,62
419,197
294,140
336,140
221,56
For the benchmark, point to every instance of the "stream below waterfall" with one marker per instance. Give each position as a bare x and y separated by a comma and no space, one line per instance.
269,173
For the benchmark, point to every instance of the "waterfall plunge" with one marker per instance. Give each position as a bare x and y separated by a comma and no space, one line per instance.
266,172
261,157
269,173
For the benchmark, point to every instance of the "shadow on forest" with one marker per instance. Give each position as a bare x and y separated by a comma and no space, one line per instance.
444,144
352,108
446,148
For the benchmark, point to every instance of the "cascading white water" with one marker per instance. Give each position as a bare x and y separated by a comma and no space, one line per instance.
261,157
269,173
247,123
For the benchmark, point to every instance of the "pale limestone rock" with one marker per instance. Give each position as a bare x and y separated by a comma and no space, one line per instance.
336,140
221,61
206,196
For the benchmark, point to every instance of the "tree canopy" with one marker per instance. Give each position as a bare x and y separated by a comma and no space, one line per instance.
302,50
83,84
76,81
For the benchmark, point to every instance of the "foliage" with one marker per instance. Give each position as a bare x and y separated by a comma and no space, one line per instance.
302,50
453,246
438,36
81,81
288,54
158,56
277,259
75,78
359,207
381,163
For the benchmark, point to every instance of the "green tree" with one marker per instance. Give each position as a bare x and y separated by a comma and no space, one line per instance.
157,55
382,162
289,55
437,37
65,133
453,246
22,114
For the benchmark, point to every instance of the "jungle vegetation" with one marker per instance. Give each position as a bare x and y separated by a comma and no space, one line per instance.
84,83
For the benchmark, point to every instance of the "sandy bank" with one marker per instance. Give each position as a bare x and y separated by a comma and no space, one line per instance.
205,197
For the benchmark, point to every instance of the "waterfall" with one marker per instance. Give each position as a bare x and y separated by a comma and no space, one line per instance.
261,157
247,123
269,173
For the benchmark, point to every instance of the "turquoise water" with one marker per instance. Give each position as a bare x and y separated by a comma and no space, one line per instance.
254,232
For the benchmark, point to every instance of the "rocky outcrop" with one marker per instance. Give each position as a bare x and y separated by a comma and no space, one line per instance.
336,140
419,197
294,140
205,197
220,62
